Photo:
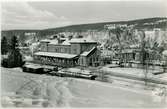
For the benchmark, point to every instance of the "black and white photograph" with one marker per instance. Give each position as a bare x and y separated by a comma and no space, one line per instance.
84,54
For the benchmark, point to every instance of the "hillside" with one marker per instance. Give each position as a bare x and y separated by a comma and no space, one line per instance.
149,23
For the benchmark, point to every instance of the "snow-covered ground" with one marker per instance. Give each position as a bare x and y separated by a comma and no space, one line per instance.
20,89
130,71
163,76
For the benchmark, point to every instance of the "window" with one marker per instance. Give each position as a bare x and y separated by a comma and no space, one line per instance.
96,59
75,51
66,50
90,59
82,61
56,50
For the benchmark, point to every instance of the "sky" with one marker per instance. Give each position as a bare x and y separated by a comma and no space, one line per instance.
42,15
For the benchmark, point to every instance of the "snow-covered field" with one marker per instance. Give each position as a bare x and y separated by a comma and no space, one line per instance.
19,89
163,76
131,71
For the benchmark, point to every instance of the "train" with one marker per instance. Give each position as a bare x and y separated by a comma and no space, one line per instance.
60,72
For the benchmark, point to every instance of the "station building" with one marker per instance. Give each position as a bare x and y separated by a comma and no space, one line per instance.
68,52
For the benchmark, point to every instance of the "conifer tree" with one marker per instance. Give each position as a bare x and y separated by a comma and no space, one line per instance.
14,57
4,46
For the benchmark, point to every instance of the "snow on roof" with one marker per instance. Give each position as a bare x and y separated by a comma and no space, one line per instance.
127,51
67,42
82,40
45,40
55,42
87,52
52,54
63,38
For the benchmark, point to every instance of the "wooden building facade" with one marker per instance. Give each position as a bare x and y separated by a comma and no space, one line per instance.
68,53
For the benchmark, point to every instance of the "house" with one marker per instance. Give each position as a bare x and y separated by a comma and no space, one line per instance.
107,56
90,58
128,55
68,52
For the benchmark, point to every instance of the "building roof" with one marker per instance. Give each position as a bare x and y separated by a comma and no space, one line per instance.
63,38
86,53
82,40
45,40
128,51
134,46
67,42
54,42
58,55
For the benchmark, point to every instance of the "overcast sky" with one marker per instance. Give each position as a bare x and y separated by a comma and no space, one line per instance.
41,15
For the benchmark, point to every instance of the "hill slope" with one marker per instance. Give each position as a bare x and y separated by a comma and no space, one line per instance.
149,23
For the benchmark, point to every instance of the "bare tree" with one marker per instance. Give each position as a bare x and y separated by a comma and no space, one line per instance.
165,60
118,31
144,59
